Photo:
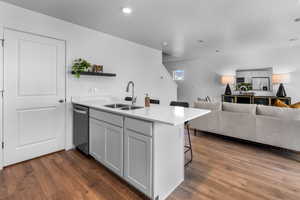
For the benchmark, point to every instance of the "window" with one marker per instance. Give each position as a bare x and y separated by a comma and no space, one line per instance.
178,75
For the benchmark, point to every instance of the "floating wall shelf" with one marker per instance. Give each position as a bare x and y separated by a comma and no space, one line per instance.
97,74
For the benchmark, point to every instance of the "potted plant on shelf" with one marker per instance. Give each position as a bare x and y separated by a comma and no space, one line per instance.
80,65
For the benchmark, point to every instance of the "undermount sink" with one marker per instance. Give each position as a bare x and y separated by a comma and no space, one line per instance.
123,106
131,108
117,105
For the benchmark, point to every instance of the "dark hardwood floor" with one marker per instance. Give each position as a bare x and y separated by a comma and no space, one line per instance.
222,169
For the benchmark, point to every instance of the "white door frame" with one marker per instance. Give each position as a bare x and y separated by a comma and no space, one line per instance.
2,28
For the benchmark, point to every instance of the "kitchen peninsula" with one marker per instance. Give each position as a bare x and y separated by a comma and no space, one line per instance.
144,146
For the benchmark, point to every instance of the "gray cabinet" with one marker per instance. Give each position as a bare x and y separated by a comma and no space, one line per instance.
106,144
114,149
138,156
97,140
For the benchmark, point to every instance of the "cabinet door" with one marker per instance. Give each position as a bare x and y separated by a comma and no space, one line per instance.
97,140
114,149
138,161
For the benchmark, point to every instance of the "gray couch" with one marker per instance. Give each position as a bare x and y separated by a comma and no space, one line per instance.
270,125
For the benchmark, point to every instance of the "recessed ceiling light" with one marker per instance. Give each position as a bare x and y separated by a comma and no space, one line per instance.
297,19
165,44
127,10
217,51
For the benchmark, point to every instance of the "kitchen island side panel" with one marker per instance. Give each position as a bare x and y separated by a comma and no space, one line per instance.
168,159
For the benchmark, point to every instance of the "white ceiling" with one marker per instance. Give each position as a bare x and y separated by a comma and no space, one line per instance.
223,25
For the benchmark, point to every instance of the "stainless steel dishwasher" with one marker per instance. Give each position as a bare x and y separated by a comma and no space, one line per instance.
81,128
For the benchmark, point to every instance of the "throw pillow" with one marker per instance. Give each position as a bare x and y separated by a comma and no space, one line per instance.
296,105
281,104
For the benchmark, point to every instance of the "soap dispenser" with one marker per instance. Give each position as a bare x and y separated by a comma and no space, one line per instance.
147,100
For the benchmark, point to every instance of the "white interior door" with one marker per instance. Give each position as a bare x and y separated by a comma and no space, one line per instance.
1,89
34,85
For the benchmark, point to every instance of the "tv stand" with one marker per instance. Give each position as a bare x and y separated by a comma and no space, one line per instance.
252,99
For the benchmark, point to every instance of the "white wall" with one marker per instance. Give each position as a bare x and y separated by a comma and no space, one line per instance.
202,75
130,61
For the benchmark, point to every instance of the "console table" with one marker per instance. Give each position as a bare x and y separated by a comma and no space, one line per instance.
251,99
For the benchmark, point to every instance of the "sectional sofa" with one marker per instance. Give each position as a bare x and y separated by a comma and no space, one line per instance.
270,125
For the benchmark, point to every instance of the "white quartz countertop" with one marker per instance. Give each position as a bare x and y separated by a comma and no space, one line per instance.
155,113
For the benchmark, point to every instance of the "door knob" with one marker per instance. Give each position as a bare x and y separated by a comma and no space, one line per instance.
61,101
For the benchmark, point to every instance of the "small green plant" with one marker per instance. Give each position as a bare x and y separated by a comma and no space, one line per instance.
244,86
80,65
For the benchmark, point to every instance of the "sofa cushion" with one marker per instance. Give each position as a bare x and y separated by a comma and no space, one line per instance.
240,108
236,124
283,113
213,106
279,103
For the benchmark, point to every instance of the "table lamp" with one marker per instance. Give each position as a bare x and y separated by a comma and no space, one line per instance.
280,79
226,80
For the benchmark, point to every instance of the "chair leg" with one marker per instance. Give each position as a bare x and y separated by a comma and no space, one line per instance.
190,143
189,147
195,132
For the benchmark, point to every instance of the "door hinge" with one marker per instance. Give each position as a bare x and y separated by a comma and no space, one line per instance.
2,42
2,145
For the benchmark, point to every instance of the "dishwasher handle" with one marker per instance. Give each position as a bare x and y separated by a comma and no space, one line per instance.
80,111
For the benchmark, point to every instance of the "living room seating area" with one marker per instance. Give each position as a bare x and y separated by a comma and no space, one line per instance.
275,126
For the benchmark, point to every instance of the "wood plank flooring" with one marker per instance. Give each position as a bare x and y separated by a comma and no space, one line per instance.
222,169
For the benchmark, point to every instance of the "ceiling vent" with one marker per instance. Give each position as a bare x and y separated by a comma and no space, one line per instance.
293,39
